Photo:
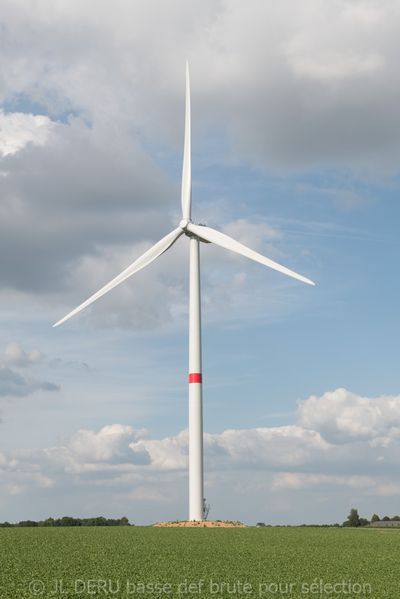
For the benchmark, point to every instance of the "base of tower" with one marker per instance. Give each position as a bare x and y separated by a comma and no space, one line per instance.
202,524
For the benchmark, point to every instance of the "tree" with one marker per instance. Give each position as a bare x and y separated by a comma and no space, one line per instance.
353,517
24,523
375,518
354,520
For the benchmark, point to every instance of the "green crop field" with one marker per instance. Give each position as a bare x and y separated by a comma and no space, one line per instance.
150,562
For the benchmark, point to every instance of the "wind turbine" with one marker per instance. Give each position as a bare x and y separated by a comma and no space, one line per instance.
196,234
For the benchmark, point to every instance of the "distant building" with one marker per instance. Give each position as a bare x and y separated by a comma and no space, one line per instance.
386,524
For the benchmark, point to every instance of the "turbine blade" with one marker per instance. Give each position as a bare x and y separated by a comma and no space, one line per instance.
144,260
186,195
208,234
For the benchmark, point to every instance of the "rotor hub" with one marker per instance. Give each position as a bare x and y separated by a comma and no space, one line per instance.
184,223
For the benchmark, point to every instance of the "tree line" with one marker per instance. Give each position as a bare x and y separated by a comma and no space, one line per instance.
69,521
354,520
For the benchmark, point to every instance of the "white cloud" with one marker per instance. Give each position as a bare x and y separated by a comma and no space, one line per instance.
267,447
293,448
170,453
109,443
276,462
19,129
342,416
15,355
284,448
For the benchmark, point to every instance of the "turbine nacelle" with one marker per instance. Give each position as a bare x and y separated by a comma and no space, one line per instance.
184,224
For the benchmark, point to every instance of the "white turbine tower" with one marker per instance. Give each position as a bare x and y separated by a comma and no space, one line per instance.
196,234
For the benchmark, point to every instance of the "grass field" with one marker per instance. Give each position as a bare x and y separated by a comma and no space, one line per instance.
150,562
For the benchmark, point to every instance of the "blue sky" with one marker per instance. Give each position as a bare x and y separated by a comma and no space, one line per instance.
295,146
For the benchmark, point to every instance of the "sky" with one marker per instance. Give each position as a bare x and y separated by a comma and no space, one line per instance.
295,152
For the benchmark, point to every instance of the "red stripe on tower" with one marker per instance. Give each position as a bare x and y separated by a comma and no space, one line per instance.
195,377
